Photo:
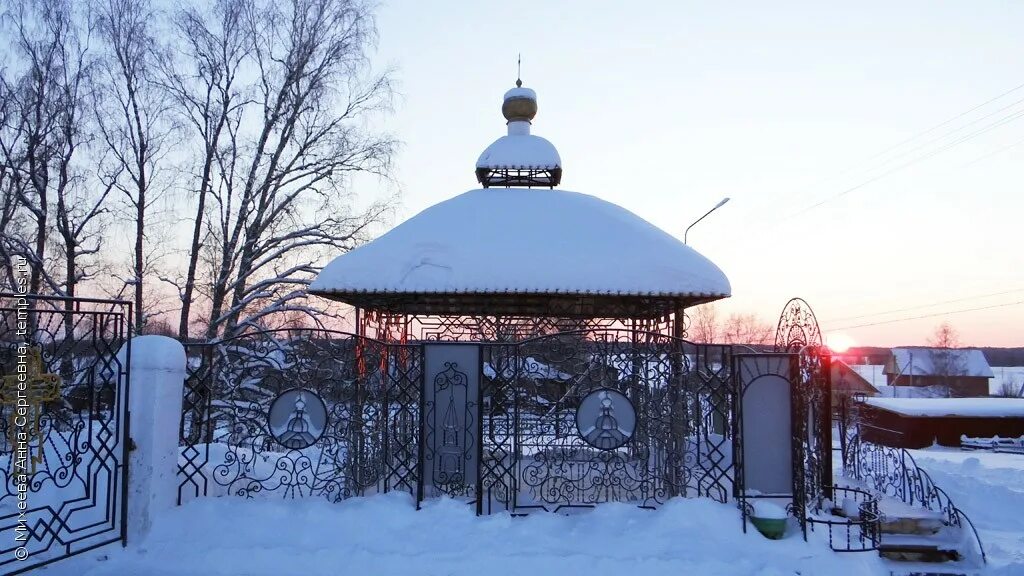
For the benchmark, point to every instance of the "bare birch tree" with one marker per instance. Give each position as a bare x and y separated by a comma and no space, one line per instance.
202,80
948,363
133,122
746,329
704,327
27,136
281,200
43,173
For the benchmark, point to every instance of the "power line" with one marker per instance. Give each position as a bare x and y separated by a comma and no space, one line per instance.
945,123
919,306
911,139
988,128
929,131
950,133
992,153
1019,302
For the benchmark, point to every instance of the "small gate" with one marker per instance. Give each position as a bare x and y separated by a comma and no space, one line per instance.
63,427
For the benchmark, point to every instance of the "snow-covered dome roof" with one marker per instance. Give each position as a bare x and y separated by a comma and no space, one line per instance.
524,251
520,241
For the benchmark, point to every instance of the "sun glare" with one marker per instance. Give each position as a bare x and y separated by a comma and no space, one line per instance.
839,342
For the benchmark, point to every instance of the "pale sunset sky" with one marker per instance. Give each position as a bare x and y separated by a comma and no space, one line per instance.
667,107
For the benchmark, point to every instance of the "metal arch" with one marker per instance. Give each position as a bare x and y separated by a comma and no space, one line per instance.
798,332
797,328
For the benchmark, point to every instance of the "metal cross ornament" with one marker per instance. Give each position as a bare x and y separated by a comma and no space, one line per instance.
25,392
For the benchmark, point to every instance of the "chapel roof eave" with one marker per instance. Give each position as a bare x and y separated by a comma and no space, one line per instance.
521,304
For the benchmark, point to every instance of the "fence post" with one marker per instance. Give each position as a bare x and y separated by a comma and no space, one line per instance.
157,377
903,475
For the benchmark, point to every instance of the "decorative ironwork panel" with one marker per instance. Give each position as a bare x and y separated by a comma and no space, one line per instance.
297,413
75,353
503,328
659,421
451,393
798,327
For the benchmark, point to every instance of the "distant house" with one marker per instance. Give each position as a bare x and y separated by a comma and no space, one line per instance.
941,372
846,382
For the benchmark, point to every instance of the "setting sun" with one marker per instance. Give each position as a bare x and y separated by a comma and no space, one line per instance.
839,342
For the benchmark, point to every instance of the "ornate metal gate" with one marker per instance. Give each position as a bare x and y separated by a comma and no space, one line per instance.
575,419
63,427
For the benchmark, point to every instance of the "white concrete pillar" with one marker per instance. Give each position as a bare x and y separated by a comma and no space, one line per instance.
157,373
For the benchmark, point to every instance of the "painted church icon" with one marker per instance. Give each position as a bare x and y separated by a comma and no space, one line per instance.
606,419
297,418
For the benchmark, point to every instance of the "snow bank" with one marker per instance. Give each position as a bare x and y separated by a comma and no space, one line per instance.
769,510
384,535
965,407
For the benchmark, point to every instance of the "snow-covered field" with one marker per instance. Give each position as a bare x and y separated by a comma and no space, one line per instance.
384,535
989,488
1013,376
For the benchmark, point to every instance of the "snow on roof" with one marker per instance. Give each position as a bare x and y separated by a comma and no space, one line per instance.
872,373
845,378
921,361
520,151
520,92
525,241
970,407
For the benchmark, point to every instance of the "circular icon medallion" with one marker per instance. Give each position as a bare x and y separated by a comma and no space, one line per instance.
297,418
606,419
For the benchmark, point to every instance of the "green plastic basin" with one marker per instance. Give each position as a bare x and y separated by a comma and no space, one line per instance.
772,528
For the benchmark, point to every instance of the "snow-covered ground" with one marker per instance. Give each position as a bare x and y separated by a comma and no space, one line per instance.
384,535
989,488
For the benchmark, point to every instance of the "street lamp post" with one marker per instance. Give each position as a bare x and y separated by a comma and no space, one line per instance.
717,206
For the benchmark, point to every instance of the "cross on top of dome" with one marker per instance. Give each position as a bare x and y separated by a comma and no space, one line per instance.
519,158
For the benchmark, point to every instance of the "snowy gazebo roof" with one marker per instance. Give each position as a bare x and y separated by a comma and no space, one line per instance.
521,251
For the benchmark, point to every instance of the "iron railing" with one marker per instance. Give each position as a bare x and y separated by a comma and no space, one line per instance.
893,472
861,533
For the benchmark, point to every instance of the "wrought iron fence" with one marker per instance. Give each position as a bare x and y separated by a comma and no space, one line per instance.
77,455
677,398
362,400
299,413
